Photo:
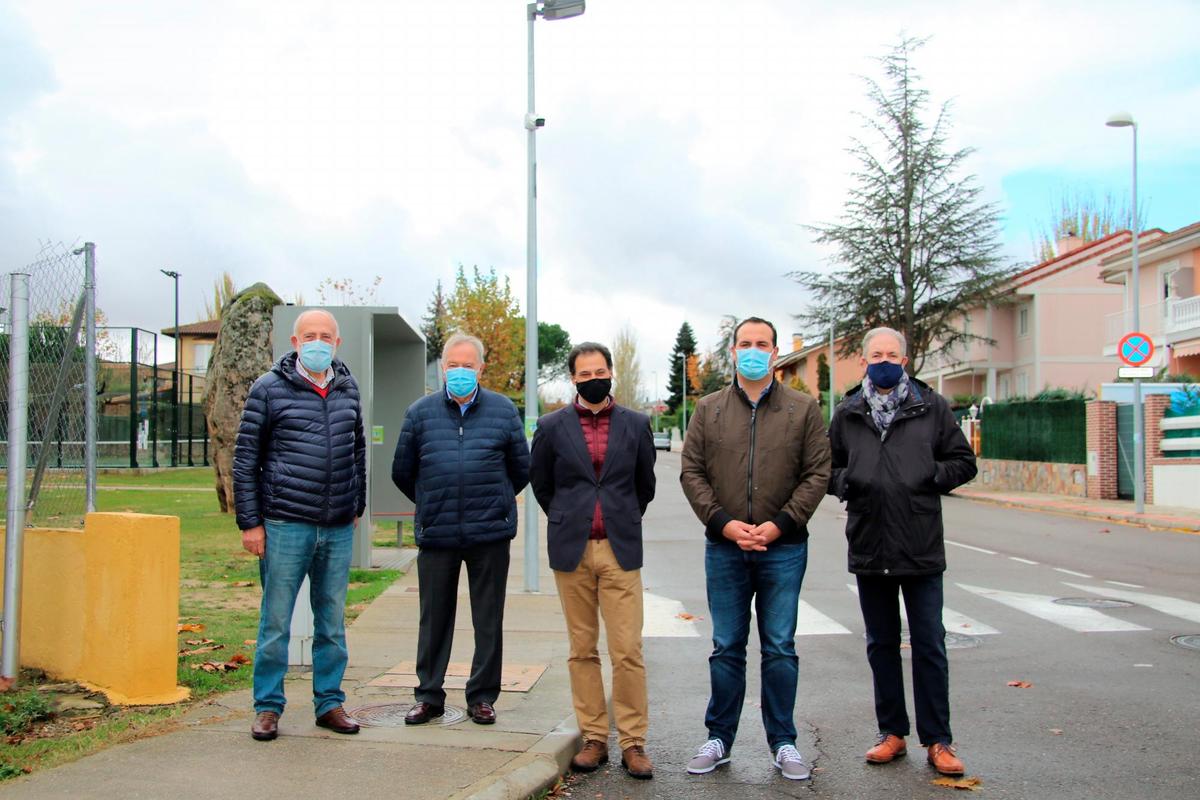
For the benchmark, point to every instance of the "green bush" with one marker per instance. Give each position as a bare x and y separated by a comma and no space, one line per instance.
19,712
1053,430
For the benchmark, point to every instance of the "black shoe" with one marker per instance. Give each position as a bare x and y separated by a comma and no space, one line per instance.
421,713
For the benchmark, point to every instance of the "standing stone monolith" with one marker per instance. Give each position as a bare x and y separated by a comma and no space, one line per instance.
242,353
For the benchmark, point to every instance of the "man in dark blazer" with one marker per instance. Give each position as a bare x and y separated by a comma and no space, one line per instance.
592,471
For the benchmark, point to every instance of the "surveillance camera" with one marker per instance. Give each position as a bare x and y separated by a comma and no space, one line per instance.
533,122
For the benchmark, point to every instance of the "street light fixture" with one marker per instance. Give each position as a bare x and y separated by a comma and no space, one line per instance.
175,379
550,10
1123,119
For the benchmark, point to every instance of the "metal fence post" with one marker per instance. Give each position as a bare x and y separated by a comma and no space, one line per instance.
191,416
134,405
89,375
18,429
154,406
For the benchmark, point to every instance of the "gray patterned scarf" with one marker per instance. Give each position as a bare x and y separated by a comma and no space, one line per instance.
884,406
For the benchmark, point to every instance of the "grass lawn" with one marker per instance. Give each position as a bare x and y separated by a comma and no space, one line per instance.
219,590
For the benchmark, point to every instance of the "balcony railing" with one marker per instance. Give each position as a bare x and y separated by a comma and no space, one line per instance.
1184,314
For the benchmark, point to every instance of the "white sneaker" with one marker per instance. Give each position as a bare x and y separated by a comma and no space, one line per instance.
710,756
791,764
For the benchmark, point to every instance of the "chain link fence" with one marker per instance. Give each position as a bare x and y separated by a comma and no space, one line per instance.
56,393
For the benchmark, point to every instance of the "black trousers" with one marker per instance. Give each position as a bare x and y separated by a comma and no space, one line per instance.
879,598
437,577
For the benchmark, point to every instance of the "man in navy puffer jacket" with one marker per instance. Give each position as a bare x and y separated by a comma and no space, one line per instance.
299,484
462,458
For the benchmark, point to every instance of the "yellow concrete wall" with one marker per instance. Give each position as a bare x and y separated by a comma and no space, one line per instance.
101,606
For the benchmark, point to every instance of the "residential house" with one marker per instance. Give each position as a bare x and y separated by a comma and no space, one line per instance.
195,345
1048,330
1170,299
805,363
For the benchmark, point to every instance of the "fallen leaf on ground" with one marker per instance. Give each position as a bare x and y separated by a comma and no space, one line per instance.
1056,731
966,784
6,683
191,627
238,658
216,666
1105,530
249,642
200,650
685,615
1020,684
198,642
241,584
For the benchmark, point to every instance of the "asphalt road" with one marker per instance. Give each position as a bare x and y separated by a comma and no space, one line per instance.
1111,713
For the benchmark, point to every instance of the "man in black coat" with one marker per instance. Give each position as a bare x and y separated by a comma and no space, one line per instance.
896,450
461,458
299,485
592,472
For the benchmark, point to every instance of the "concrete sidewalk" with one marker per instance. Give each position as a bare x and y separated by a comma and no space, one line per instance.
211,753
1122,511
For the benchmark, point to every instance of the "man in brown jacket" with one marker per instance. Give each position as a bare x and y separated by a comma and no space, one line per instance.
755,466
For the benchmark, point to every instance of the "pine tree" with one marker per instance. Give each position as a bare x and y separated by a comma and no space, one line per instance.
435,325
685,345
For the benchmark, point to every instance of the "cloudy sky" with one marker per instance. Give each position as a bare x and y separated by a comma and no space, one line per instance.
688,143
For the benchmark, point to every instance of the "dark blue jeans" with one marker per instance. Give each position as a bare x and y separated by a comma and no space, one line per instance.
771,580
879,598
295,550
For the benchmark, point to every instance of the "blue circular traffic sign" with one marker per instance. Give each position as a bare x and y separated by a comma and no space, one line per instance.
1135,349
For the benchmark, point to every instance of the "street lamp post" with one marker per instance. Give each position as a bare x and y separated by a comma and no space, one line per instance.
550,10
654,410
683,392
175,379
1124,119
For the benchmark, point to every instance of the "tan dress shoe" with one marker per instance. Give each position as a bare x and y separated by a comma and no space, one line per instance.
265,726
944,760
888,748
637,763
590,757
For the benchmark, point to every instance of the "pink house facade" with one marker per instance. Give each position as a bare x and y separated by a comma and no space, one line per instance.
1049,330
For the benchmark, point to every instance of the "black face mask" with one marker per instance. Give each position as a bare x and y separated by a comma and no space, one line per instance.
595,390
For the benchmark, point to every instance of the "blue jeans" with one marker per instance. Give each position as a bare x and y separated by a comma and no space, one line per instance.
294,550
771,579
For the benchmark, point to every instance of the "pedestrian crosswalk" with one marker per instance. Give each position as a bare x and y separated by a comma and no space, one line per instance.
839,615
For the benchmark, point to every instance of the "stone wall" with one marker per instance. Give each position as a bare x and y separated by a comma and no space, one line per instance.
1032,476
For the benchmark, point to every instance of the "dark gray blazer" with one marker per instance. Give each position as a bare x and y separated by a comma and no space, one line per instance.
565,484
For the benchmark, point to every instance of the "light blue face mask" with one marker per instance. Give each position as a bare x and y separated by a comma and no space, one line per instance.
316,356
753,364
461,381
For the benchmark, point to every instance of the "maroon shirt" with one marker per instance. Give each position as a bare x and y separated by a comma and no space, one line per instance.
595,435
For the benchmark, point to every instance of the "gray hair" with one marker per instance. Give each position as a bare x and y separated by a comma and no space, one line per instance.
871,334
303,314
459,338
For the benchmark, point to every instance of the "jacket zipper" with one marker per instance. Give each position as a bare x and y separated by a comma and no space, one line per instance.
750,468
328,451
462,488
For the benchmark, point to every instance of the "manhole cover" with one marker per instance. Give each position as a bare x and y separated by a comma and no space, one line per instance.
1191,641
391,715
954,640
1094,602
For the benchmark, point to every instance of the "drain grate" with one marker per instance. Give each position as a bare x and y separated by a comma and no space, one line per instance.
1189,640
954,640
1094,602
391,715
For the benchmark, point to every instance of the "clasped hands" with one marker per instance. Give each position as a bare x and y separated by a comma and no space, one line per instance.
751,537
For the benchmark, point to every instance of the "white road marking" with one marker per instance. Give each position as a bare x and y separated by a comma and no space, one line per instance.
1126,585
1076,618
661,618
1072,572
1143,665
810,622
1172,606
1023,560
972,547
951,619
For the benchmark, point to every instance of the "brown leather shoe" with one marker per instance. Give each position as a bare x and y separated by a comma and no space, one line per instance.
421,713
888,748
637,763
589,759
335,719
482,714
943,759
265,726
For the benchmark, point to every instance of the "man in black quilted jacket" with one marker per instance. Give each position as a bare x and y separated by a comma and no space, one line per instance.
461,458
299,485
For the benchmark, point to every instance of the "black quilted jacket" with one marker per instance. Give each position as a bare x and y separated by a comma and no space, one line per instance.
300,456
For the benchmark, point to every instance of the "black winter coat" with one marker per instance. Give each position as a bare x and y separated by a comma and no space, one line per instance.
463,471
893,486
298,455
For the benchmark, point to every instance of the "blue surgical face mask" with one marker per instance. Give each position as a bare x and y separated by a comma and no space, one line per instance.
316,356
885,374
753,364
461,381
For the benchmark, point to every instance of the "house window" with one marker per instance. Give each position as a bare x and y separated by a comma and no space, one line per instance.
1003,387
1023,322
1022,385
200,356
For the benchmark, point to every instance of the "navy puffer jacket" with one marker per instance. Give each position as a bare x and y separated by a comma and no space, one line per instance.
300,456
462,470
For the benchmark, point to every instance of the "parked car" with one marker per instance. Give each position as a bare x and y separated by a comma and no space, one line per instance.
662,440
